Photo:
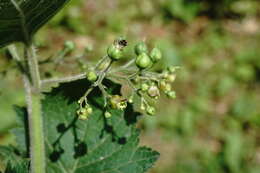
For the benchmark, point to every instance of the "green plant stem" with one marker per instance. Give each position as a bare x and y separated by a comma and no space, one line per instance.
37,152
33,99
33,67
48,82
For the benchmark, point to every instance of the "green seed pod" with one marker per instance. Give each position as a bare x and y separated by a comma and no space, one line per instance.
114,52
143,61
141,48
150,110
144,87
69,45
92,76
107,114
156,55
171,94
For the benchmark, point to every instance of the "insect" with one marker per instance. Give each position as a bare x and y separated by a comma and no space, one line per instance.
121,43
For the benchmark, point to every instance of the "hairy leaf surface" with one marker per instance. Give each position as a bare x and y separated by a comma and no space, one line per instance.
14,162
96,145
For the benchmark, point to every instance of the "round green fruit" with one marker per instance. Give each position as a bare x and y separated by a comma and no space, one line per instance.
143,61
114,52
156,55
141,48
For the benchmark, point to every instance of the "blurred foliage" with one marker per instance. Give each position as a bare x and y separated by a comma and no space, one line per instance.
214,124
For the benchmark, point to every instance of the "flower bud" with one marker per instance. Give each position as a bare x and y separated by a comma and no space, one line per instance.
142,107
172,69
131,99
83,114
89,110
171,94
150,110
171,78
164,86
107,114
91,76
144,87
153,91
117,102
165,74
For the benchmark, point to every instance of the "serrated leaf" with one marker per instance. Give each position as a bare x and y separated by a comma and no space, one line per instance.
95,145
20,19
21,167
13,161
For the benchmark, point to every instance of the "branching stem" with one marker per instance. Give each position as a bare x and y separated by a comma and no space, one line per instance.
47,82
32,85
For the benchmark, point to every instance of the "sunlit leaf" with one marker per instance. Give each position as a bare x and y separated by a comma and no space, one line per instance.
20,19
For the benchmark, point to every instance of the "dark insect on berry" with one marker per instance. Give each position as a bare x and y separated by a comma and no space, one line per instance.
122,43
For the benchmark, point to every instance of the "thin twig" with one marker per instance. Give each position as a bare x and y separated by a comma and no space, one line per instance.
47,82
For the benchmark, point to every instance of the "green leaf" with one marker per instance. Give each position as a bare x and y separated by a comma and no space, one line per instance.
21,167
95,145
20,19
13,161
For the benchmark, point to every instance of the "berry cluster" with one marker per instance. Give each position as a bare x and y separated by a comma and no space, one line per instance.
145,85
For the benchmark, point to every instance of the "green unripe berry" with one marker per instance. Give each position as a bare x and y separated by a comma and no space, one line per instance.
153,91
171,94
114,52
144,86
150,110
156,55
141,48
69,45
143,61
92,76
108,114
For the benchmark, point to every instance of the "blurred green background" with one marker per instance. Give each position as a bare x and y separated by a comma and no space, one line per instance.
214,124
